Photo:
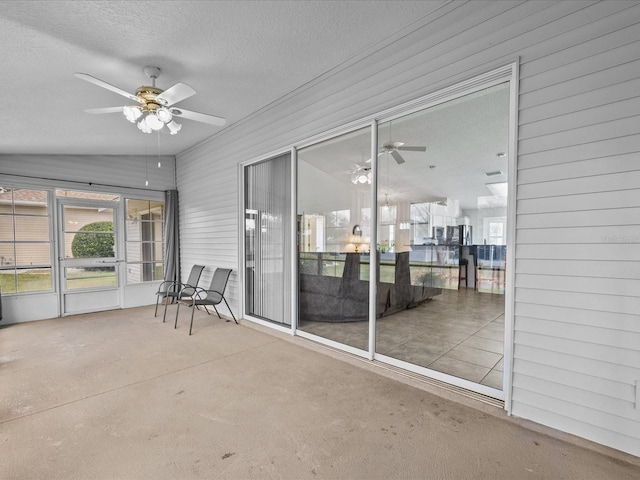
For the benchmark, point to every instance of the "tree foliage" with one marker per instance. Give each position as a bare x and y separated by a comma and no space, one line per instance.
90,242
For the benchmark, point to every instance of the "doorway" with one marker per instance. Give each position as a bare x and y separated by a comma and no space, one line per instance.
89,259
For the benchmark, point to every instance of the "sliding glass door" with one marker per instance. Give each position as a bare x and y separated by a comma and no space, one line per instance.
442,197
418,196
334,238
268,239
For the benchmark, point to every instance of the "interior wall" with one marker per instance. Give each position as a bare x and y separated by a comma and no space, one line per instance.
576,354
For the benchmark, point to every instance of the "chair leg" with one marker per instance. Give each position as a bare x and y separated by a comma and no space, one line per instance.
193,310
166,303
214,307
175,325
155,314
234,318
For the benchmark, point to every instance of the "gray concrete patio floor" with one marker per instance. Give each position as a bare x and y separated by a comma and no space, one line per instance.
120,395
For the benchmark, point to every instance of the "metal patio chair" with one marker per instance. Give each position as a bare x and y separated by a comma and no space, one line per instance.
170,290
211,296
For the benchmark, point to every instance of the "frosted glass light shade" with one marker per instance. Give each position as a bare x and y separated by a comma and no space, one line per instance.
131,113
174,127
153,122
164,115
142,125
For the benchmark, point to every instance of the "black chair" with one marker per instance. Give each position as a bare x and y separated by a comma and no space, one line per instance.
213,296
170,290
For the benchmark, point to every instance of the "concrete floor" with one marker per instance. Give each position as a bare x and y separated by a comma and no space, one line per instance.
120,395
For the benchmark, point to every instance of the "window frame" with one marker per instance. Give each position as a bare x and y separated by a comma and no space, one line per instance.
16,268
145,245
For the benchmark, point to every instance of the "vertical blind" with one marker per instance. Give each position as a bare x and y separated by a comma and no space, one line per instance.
268,240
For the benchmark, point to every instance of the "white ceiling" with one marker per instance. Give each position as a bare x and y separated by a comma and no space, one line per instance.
238,55
463,139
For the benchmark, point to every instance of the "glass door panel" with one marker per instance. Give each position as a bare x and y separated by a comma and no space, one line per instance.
89,262
334,238
268,239
442,184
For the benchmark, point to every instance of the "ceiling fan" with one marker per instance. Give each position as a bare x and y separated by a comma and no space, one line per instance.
394,147
361,172
153,108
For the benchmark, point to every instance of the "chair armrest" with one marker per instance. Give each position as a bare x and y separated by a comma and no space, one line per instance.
198,291
171,284
184,286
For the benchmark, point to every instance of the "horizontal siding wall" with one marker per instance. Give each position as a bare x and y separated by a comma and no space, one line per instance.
577,354
577,314
92,172
208,202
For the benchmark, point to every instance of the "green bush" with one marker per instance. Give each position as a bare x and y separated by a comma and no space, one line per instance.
88,243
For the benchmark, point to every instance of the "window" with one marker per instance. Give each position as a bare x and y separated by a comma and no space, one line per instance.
495,229
25,241
337,229
144,240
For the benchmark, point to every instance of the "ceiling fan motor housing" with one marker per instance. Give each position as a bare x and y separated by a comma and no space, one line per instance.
150,97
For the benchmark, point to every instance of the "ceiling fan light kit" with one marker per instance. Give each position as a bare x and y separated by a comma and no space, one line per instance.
153,111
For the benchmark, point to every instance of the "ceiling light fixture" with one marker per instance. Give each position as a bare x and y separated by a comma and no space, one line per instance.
361,177
174,127
164,115
153,107
144,127
499,189
153,122
132,114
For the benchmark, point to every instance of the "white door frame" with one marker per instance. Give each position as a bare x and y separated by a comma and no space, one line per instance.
95,298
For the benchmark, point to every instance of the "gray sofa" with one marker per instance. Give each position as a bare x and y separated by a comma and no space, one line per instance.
346,299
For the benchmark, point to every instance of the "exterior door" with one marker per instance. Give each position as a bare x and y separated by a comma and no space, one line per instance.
89,255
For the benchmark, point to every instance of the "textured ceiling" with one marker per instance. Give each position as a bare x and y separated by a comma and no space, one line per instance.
238,55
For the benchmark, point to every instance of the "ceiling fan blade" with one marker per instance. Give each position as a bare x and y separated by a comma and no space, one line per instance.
175,94
198,117
397,157
104,110
108,86
413,149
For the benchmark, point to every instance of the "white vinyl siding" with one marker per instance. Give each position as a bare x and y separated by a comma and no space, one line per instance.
102,173
208,202
577,329
577,256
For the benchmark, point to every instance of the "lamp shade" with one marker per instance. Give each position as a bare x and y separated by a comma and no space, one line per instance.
153,122
142,125
164,115
131,113
174,127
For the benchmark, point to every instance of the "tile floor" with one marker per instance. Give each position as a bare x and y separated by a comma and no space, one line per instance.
460,332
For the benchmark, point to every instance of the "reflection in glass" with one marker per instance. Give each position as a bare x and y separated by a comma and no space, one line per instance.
333,255
440,296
